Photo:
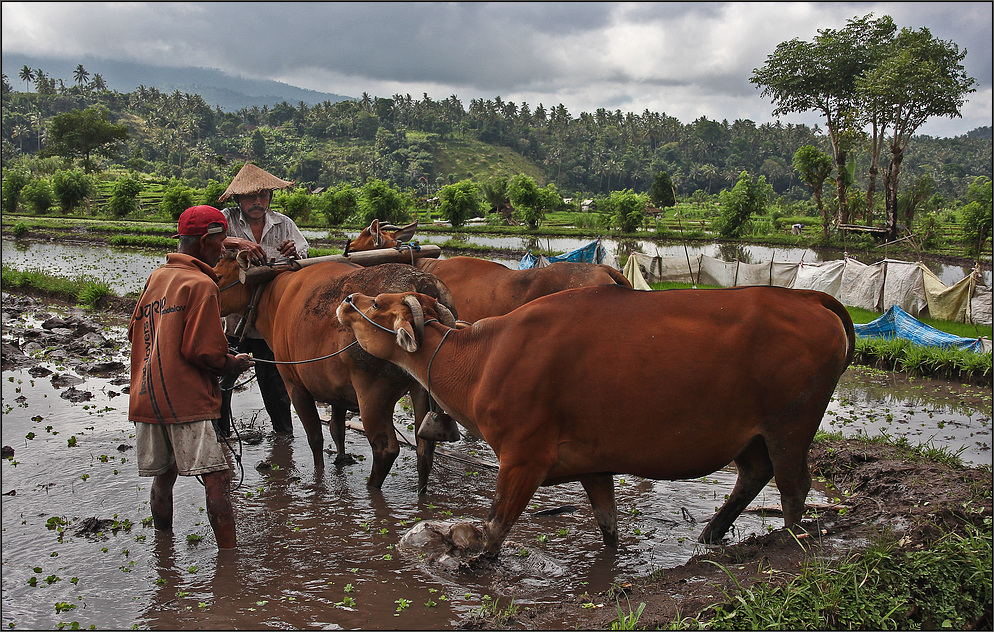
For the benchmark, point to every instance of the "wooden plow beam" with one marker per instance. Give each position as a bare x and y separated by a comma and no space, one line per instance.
264,273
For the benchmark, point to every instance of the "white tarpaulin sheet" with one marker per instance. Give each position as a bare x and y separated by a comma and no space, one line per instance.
862,285
980,306
825,276
717,272
671,269
903,286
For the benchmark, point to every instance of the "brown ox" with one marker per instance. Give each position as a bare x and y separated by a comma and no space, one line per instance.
597,381
379,236
295,314
481,289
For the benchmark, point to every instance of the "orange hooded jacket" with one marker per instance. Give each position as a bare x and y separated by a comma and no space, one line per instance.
178,347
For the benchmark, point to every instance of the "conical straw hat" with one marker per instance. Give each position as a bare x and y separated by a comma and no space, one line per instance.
252,179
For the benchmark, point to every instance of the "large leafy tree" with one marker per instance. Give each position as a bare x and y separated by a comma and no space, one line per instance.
821,75
917,78
82,133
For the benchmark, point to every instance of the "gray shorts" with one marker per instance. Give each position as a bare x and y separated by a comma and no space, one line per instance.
191,446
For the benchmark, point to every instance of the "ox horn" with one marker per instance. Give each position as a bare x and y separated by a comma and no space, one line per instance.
418,315
445,316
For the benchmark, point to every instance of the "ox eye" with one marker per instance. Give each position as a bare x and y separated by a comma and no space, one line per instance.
375,306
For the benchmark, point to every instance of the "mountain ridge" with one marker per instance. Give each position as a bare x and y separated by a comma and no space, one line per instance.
227,91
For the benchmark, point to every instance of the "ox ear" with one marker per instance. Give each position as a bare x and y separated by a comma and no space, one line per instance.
406,338
242,257
374,232
405,233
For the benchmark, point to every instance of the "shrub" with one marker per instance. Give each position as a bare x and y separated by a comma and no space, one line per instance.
381,201
526,197
297,205
38,195
71,188
978,216
124,199
627,210
211,193
14,182
745,198
176,199
459,202
339,203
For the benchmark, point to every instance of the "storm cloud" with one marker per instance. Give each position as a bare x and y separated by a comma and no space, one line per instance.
684,59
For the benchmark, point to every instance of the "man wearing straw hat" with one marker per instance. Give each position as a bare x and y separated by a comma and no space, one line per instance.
266,234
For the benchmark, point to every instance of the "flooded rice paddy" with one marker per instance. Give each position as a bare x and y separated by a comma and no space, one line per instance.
316,547
125,270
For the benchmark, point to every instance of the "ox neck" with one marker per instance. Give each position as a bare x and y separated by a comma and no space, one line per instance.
449,358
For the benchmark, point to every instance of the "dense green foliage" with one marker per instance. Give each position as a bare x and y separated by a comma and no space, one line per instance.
38,195
176,199
71,188
82,133
399,152
662,191
124,199
746,198
459,202
412,143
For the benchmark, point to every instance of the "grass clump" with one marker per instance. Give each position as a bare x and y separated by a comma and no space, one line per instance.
885,587
86,291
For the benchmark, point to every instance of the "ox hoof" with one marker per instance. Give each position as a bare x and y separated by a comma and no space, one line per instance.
438,427
444,543
344,458
479,563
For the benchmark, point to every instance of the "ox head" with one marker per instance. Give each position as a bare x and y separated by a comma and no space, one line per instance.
378,235
387,321
234,296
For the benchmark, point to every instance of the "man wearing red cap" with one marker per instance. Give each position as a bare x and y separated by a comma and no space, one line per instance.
178,350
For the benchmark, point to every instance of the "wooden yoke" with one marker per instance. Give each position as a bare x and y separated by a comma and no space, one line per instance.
264,273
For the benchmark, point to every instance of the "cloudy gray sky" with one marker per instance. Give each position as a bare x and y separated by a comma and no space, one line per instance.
684,59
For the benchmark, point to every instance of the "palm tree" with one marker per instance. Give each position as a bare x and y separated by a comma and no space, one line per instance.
80,75
19,132
27,75
98,84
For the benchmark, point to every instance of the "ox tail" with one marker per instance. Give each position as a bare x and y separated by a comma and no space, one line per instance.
618,277
839,310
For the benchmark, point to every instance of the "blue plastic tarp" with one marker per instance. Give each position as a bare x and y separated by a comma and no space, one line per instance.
897,323
591,253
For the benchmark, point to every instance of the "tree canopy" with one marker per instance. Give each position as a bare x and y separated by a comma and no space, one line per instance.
81,133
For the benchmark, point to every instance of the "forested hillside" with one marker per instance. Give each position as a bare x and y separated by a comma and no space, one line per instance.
422,144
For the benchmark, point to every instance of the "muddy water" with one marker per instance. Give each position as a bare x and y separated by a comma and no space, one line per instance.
317,548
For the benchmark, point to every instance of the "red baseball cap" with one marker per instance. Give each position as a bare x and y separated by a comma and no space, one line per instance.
197,220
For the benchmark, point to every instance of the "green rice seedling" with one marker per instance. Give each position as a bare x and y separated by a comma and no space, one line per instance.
91,291
142,241
630,620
